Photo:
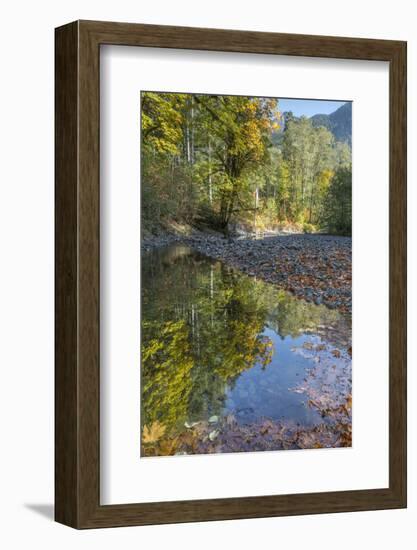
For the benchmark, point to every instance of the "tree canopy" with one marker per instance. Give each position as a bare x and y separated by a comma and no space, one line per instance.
221,161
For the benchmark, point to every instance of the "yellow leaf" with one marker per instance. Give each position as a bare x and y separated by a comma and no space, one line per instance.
168,446
155,431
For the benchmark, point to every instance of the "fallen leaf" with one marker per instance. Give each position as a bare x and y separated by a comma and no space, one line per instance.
154,432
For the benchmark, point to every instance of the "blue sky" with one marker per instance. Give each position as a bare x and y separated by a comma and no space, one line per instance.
309,107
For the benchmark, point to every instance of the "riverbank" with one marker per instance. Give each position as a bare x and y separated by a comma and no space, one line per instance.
316,268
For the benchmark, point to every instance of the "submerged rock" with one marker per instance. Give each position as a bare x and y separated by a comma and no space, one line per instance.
213,435
190,425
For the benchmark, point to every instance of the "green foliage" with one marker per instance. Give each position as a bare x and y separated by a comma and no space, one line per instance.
338,212
221,160
203,325
166,371
290,316
240,128
308,152
213,338
167,190
308,228
162,118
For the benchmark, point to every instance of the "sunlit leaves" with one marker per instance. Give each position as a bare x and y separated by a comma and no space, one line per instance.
166,366
204,156
161,119
215,333
241,127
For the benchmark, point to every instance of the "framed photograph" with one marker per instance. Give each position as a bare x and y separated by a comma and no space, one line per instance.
230,274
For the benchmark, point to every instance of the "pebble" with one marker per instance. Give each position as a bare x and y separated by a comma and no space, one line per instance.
212,435
190,425
316,268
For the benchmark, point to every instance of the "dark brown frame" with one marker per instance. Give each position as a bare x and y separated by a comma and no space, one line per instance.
77,374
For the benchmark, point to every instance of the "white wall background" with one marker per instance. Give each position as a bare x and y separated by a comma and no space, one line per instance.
26,272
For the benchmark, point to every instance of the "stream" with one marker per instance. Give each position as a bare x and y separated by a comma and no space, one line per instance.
232,363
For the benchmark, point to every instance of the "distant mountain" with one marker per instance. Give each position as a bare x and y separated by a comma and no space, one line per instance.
339,122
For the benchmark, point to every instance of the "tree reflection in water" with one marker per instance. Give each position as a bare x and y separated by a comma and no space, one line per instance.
211,344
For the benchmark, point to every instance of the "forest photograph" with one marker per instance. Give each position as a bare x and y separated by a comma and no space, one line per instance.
246,271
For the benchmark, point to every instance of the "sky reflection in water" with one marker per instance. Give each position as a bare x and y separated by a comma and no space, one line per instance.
217,342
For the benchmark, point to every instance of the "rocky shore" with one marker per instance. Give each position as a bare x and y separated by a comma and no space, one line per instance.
316,268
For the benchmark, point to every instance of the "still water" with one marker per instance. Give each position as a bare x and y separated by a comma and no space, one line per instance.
218,344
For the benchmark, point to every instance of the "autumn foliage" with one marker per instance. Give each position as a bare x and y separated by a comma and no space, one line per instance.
220,161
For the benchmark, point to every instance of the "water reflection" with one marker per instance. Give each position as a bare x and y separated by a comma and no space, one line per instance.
219,345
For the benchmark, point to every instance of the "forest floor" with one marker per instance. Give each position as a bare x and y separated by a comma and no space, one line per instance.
313,267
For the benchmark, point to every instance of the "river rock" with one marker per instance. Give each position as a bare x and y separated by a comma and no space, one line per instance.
213,435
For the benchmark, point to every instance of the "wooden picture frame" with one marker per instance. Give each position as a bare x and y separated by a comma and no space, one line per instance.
77,382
